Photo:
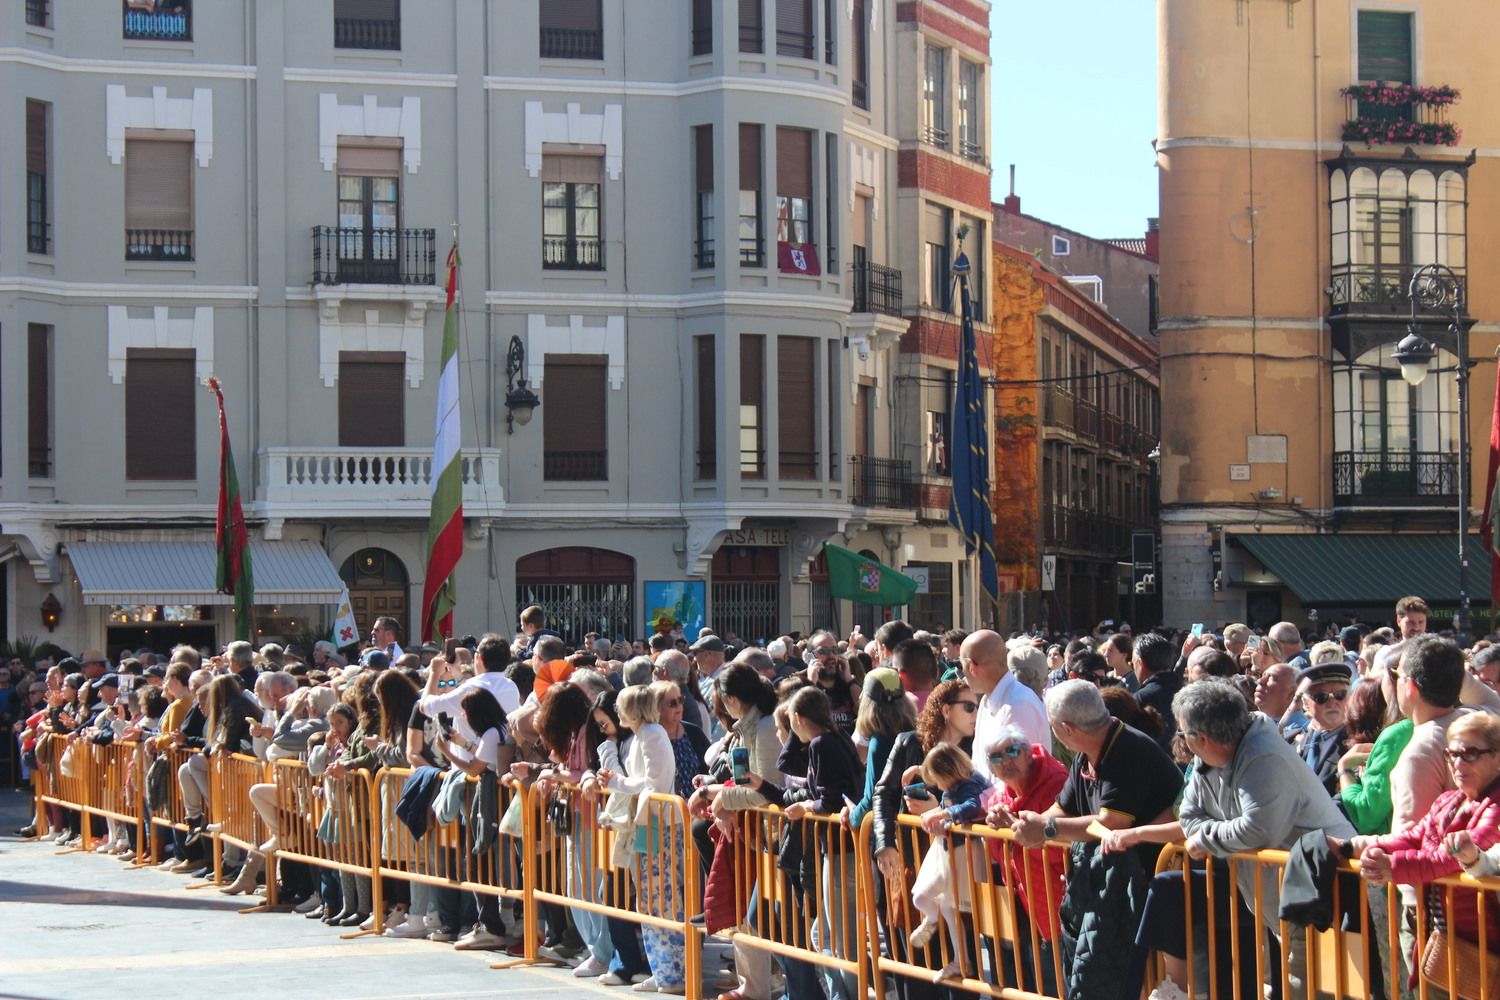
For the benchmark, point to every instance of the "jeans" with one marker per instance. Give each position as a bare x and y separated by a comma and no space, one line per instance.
586,884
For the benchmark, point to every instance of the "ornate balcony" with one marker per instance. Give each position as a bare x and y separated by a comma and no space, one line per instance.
877,288
367,33
572,43
366,481
1399,479
159,20
348,255
1399,114
1069,528
159,244
880,482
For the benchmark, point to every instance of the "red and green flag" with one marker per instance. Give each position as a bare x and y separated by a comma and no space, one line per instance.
445,526
854,577
231,535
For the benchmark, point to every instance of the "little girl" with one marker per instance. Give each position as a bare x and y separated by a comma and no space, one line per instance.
951,771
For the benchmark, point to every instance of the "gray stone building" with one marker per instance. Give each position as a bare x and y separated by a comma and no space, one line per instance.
682,226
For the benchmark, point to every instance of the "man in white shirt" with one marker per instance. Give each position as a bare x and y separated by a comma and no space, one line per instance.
490,661
1003,701
383,636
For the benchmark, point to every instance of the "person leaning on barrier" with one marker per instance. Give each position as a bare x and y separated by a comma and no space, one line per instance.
1250,792
1119,778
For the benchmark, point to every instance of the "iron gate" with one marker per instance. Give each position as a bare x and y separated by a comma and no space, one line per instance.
751,611
575,609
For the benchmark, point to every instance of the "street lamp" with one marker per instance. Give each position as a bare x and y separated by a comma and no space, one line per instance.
520,401
1437,288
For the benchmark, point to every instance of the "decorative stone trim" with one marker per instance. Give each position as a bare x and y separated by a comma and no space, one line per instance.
158,111
369,120
161,330
575,127
542,338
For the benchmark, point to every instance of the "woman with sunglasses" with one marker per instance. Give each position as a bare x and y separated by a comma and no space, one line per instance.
1325,689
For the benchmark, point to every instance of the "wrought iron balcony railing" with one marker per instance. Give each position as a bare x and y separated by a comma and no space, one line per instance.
880,482
159,20
1399,114
578,253
1373,288
877,288
1408,478
575,466
1071,528
367,33
572,43
345,255
159,244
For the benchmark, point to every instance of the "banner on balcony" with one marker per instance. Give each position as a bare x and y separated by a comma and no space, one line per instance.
854,577
798,258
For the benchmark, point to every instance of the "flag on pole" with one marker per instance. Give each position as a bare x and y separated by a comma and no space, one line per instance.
445,526
1488,526
231,535
854,577
345,628
969,509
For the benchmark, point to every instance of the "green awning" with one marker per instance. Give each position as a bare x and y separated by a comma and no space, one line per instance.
1371,569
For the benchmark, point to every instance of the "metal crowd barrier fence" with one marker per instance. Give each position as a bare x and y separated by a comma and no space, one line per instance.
172,815
116,779
329,823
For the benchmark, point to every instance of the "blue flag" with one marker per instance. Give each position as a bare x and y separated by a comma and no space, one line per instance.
969,510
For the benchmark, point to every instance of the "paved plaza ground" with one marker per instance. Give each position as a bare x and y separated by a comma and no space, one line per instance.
82,927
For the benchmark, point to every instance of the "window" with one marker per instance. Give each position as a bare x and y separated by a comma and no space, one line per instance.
936,606
793,186
971,111
864,417
39,13
1061,246
752,243
703,172
936,449
830,30
706,387
1393,442
703,27
574,435
372,399
571,29
1385,225
367,24
570,212
38,222
835,406
752,26
831,198
39,401
1089,284
935,96
369,178
158,199
860,44
161,21
794,28
160,429
938,233
752,405
796,408
1385,46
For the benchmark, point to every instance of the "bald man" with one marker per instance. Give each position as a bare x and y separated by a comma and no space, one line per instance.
1003,701
1293,649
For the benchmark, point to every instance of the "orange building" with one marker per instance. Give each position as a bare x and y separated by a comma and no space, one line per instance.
1075,423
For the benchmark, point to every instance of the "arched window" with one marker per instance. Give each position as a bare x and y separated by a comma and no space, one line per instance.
581,590
1394,442
378,586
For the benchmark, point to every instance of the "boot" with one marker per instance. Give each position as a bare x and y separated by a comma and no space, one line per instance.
254,862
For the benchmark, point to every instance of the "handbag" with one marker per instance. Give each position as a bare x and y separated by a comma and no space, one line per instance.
560,813
1469,962
65,764
513,824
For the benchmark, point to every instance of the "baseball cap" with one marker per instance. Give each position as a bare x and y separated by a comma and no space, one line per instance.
709,643
156,670
1236,633
108,680
376,659
883,683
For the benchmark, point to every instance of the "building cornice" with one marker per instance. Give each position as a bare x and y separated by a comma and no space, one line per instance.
1437,153
155,69
507,299
120,291
686,88
370,78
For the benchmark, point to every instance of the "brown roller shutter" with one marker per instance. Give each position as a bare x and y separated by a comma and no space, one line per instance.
372,399
159,422
703,143
370,158
794,28
753,394
36,137
708,425
367,10
574,436
793,163
796,394
39,399
752,25
750,157
577,14
565,168
158,184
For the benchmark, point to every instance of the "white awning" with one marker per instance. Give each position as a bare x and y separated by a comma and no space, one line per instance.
183,573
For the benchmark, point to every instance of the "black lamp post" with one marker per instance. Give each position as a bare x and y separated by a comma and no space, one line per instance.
1438,288
520,401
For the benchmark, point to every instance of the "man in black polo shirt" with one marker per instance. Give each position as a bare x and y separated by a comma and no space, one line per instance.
1120,778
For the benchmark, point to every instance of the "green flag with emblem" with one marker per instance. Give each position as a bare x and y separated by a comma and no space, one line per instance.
854,577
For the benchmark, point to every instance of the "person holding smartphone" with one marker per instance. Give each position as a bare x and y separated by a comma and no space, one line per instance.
830,671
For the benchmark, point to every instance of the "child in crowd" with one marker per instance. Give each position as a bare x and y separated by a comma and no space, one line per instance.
950,771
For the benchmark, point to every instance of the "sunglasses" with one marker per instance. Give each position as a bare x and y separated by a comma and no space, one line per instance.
1324,697
1009,753
825,651
968,706
671,703
1468,754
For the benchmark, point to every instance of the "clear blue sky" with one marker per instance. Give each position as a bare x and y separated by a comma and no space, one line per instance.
1073,106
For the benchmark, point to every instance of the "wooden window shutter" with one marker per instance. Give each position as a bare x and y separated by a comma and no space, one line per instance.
796,398
703,148
703,26
39,399
864,397
752,369
794,23
1385,46
577,14
752,25
367,10
793,163
160,428
370,158
565,168
750,157
372,399
574,413
707,404
158,184
36,137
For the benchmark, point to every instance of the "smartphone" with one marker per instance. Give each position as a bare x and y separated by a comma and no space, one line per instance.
739,763
1253,642
450,650
1197,630
917,790
1109,622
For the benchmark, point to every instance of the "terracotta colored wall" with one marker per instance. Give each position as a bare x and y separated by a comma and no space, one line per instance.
1018,298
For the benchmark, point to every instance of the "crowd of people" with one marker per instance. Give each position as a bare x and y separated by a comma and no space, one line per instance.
1380,745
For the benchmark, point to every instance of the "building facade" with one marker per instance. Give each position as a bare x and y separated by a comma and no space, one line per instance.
680,226
1076,422
1302,478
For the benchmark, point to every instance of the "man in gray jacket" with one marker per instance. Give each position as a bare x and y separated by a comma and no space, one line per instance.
1249,792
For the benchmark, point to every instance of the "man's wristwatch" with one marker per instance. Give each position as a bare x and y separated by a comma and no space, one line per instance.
1049,828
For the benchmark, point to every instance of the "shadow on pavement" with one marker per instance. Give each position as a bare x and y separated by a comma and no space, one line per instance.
42,893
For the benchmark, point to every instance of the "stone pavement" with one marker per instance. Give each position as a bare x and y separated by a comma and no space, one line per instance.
81,926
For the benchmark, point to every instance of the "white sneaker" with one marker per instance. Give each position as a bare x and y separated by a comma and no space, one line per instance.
126,855
105,847
432,921
408,929
674,991
479,940
590,968
609,978
922,933
1168,990
647,985
441,936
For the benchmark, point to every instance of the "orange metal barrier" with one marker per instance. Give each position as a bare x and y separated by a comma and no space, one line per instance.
330,823
116,780
173,816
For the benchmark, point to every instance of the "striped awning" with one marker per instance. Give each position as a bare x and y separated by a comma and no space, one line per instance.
183,573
